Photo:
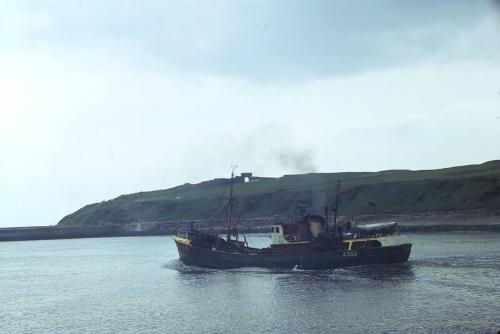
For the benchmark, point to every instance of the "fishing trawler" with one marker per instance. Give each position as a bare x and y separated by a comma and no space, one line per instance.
304,243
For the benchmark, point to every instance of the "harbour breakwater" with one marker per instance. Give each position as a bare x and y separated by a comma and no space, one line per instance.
429,222
125,230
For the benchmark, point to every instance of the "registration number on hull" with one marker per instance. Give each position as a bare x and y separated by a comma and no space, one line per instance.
350,253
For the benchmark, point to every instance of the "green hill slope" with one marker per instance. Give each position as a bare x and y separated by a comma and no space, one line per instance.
457,189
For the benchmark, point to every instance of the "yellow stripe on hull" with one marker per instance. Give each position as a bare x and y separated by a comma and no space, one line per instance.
182,240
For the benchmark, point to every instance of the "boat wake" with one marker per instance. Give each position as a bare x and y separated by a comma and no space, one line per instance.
478,262
178,266
370,272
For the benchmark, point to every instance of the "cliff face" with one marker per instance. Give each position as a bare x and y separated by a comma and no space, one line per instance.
473,188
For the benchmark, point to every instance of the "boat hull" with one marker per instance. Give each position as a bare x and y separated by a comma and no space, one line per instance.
210,258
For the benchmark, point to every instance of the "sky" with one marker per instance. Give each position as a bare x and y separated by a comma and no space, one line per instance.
103,98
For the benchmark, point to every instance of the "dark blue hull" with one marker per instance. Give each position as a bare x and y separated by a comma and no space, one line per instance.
205,257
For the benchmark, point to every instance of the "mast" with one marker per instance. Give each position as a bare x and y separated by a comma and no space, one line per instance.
230,205
336,208
326,218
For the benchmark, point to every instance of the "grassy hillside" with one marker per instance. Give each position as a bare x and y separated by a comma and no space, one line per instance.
457,189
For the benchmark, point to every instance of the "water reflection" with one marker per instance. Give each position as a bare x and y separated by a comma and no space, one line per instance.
382,272
379,272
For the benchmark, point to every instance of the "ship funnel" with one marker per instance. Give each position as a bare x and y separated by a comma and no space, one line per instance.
315,225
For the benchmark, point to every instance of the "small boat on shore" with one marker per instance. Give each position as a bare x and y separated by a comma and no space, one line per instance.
307,243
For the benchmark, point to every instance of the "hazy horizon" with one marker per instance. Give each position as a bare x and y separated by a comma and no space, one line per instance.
103,99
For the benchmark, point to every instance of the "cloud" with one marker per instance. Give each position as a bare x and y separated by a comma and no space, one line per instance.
267,41
96,103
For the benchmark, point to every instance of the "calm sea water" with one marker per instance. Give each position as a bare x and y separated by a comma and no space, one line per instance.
137,285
